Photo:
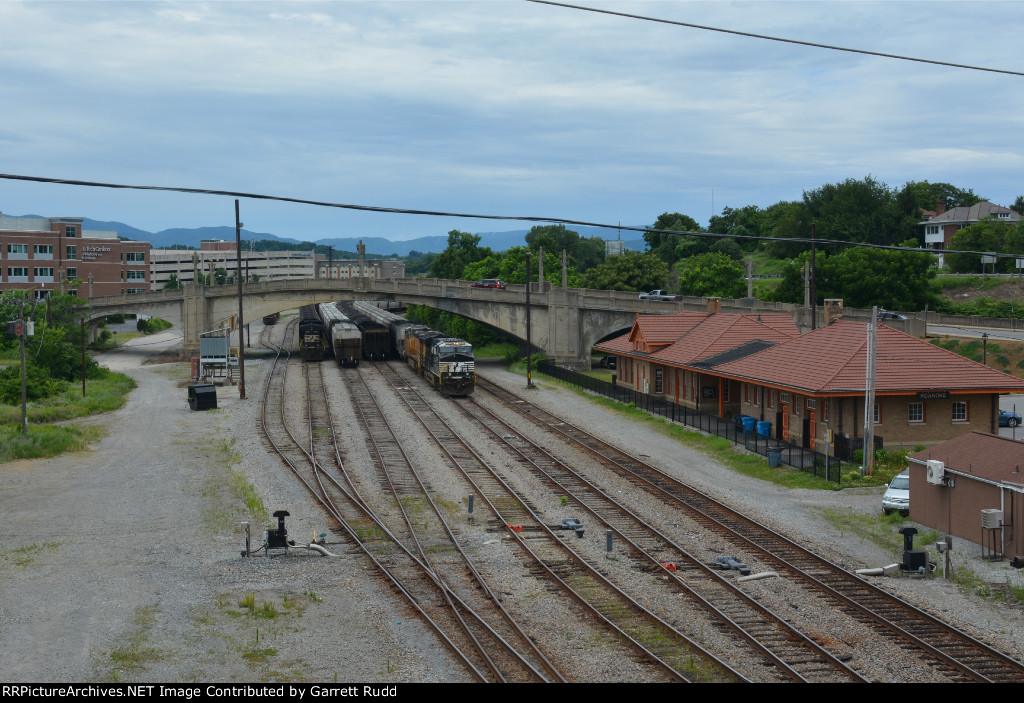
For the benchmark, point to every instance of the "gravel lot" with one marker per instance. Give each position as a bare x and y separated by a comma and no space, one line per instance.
122,563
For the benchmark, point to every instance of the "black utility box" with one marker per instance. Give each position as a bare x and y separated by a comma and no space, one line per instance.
202,396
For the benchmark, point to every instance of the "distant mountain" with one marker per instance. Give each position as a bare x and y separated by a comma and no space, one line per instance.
191,237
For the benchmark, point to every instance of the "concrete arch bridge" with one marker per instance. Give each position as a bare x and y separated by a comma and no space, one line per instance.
565,322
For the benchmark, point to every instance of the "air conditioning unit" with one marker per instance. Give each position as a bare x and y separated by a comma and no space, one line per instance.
934,472
991,519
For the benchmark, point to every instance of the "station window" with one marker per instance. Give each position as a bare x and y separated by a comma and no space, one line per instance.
915,412
960,411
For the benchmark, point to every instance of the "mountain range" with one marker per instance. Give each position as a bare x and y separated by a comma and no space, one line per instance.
498,241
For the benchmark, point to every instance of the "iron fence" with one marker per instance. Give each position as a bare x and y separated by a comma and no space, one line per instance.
808,460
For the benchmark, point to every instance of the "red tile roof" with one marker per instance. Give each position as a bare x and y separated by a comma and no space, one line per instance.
725,331
984,455
665,329
833,359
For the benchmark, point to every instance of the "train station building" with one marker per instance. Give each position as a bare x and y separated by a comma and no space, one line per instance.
810,387
47,254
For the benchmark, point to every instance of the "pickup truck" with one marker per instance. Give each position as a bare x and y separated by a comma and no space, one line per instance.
659,295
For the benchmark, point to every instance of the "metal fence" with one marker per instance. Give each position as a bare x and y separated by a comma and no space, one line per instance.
807,460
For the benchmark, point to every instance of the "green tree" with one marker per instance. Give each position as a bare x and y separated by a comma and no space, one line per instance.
630,271
864,277
927,195
510,266
172,282
671,247
749,220
463,249
583,253
782,221
713,273
988,235
854,211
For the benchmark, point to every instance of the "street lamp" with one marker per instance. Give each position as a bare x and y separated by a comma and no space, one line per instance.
984,348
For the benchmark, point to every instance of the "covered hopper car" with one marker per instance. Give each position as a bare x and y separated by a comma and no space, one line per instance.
342,335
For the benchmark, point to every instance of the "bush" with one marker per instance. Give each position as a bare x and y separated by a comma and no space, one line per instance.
39,384
117,319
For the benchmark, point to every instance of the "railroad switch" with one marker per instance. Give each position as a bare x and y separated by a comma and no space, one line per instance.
571,523
278,539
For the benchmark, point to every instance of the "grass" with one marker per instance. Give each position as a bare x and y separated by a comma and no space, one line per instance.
27,555
1004,355
135,652
718,448
223,490
955,281
491,351
878,528
46,440
101,395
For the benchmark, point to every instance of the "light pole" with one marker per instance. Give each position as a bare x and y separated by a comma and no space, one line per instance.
984,348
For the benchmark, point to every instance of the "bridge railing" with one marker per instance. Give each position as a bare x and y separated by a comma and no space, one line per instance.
807,460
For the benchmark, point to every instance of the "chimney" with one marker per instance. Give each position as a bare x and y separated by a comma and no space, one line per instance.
714,305
940,207
833,309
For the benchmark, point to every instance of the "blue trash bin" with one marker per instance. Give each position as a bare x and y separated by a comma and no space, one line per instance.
748,425
764,428
774,457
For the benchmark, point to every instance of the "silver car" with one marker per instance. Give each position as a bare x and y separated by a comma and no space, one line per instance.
897,495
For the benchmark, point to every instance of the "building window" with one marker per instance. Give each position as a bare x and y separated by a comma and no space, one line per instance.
771,397
42,294
812,404
783,397
135,256
43,273
72,273
136,275
659,379
17,251
825,411
796,405
17,274
725,390
43,251
69,231
960,411
916,412
931,229
877,415
72,253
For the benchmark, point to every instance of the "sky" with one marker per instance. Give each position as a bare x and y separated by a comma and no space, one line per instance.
497,107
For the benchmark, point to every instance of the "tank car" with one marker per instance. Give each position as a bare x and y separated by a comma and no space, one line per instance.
343,336
312,343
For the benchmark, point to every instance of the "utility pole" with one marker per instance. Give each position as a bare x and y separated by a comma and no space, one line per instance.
869,395
241,320
814,275
529,346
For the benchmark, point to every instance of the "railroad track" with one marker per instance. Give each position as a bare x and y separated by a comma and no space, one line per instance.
408,577
953,653
651,636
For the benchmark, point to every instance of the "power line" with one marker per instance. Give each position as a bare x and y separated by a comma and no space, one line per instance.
777,39
516,218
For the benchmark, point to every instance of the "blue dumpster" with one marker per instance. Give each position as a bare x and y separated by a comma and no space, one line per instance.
764,428
748,424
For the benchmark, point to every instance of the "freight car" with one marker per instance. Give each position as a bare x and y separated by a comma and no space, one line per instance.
342,335
376,340
272,318
446,362
312,342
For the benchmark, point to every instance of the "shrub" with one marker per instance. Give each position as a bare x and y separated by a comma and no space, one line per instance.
39,384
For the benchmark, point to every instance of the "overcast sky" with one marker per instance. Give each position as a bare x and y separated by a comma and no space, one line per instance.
495,107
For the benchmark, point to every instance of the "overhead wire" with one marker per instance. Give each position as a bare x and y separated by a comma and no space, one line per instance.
766,37
516,218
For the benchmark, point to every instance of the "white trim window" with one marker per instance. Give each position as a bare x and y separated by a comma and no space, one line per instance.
960,411
915,412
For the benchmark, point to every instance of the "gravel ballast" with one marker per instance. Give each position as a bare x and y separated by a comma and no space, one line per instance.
123,563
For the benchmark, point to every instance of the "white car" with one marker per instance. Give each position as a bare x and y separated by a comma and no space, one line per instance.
897,495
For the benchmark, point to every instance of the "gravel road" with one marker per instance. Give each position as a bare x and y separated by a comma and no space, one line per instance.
122,563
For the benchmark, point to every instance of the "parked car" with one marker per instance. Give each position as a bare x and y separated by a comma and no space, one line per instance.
1008,419
888,315
608,362
897,495
488,283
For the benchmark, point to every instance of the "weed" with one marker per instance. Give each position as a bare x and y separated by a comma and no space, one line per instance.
25,556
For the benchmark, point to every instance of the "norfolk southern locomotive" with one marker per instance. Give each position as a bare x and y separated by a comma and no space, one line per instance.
446,362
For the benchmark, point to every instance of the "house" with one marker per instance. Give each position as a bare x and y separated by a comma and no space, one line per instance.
942,224
810,387
980,472
44,254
